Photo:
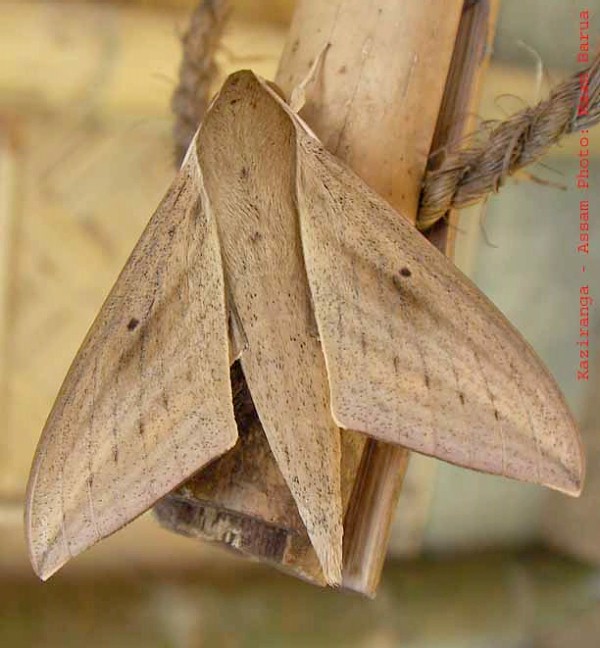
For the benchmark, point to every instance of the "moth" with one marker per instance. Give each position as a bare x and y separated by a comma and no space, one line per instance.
268,249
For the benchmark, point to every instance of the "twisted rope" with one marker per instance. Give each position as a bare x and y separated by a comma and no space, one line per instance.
499,149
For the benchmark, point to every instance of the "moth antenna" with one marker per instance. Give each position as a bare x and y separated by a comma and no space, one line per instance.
298,97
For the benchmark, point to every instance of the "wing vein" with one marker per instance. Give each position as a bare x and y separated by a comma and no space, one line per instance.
492,398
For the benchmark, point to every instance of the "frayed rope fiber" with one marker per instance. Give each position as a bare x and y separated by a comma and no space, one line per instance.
499,149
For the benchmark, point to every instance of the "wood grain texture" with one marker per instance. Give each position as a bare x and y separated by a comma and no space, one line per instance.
152,372
366,525
344,316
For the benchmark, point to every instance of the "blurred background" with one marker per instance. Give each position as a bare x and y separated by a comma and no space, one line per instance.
85,155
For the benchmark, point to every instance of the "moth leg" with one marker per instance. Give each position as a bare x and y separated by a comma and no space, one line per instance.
298,96
313,328
238,340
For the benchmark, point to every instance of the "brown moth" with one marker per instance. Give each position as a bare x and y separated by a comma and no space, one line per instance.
268,248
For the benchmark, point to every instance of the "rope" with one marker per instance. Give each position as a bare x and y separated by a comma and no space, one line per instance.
499,149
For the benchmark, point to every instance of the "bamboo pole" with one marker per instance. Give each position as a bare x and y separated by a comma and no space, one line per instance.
457,117
375,104
376,98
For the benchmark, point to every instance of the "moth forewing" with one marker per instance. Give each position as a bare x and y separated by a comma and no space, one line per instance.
416,354
147,400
